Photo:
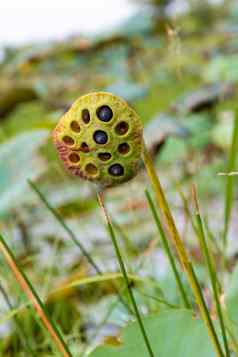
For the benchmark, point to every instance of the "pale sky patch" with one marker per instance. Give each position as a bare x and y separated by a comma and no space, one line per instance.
27,21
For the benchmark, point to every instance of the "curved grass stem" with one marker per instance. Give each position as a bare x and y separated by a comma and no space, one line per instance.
67,229
71,235
210,268
124,272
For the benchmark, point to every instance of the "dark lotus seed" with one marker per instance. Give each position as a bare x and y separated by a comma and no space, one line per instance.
116,170
123,148
75,126
84,147
104,113
100,137
91,169
85,116
74,158
122,128
104,156
68,140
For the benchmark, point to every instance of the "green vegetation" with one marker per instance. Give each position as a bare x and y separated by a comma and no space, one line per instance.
158,277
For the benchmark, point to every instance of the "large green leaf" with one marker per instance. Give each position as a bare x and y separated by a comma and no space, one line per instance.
171,333
18,162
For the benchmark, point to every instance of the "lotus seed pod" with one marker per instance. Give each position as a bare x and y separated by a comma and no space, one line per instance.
100,139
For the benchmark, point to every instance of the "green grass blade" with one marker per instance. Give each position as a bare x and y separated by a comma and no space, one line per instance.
180,248
87,281
40,309
67,229
21,333
230,181
186,209
211,271
125,275
168,251
130,247
70,233
13,313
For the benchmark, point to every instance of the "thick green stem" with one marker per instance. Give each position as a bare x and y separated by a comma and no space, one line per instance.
180,248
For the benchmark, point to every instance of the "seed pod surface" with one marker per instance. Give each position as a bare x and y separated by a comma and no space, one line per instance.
100,139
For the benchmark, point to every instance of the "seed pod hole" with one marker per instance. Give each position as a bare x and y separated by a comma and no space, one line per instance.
75,126
122,128
104,113
104,156
100,137
91,169
124,148
84,147
116,170
85,116
68,140
74,158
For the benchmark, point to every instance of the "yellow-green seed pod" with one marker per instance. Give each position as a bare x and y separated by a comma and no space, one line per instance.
100,139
